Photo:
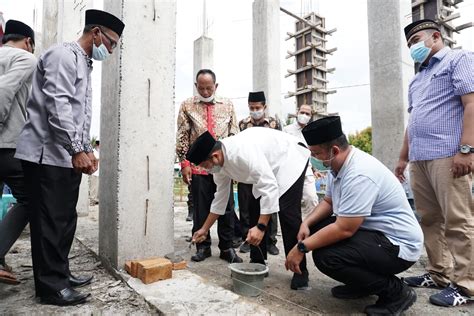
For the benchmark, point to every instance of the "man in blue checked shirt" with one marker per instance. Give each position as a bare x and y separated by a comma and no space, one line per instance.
439,144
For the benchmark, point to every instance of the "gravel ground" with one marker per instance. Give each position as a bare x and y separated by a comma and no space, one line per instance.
111,297
108,296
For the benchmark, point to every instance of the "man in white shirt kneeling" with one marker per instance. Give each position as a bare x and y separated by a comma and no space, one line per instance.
275,164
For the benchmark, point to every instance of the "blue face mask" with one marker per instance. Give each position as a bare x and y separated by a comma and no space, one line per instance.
419,52
326,163
100,53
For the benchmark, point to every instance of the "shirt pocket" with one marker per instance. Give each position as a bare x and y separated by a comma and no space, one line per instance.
442,75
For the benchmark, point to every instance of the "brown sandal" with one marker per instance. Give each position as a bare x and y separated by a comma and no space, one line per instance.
8,277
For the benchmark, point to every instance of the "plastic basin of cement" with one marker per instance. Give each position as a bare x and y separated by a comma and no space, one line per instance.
247,278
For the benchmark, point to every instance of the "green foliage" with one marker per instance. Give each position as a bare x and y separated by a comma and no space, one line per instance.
362,140
93,139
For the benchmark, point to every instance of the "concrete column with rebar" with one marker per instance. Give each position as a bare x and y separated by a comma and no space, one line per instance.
137,134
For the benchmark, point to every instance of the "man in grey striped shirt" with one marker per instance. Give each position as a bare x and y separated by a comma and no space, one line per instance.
55,150
439,143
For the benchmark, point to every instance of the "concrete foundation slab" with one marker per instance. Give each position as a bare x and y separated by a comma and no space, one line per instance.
189,294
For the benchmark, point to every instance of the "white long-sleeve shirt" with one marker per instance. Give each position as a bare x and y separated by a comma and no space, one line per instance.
16,70
295,129
268,159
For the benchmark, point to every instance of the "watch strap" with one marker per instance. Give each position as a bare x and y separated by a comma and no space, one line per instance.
302,247
262,227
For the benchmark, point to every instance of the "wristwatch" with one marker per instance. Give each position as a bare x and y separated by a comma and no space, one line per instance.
466,149
262,227
302,247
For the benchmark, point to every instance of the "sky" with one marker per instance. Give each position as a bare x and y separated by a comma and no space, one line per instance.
230,26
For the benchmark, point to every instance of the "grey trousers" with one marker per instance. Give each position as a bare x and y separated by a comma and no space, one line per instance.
16,219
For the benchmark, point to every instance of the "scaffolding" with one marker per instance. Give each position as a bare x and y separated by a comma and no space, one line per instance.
311,56
443,12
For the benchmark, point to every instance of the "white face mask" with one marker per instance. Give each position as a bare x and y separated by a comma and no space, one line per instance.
214,169
206,100
256,115
303,119
100,53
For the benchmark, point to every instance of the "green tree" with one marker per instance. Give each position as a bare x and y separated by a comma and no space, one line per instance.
362,139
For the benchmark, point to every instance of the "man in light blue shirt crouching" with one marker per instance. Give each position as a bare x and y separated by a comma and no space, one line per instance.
364,231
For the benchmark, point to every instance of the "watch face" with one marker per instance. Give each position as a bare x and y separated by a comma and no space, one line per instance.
302,247
465,149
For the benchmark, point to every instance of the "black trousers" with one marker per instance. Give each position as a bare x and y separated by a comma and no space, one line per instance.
367,261
290,221
248,201
190,202
53,193
11,173
203,189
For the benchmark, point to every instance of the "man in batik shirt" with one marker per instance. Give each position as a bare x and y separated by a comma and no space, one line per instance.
198,114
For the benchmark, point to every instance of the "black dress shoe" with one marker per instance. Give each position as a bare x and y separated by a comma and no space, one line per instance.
393,306
244,248
230,256
237,242
201,254
80,280
273,250
65,297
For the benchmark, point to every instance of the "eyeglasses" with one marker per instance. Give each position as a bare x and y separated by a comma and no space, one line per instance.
113,43
32,45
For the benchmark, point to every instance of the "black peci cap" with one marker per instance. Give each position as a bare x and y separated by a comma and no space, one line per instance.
19,28
323,130
104,19
201,148
258,96
420,25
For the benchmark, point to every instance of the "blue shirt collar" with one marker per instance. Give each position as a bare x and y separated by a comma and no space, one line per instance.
344,167
436,57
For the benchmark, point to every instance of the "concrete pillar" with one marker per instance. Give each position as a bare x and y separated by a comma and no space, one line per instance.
390,71
63,21
49,24
203,55
137,134
266,53
71,19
